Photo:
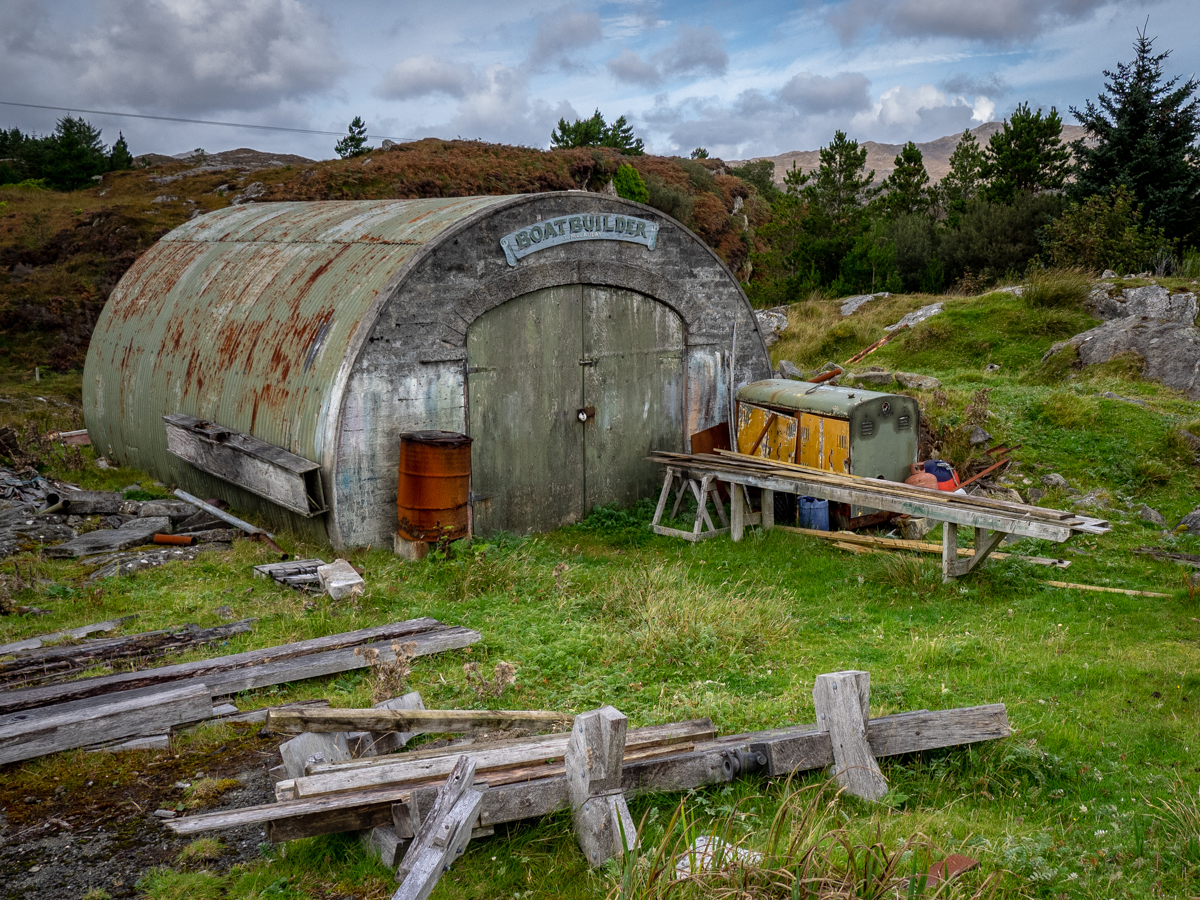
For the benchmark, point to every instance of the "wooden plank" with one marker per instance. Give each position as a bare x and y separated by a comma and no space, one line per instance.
82,631
409,767
798,748
515,751
933,507
984,544
25,736
111,540
870,540
263,469
376,743
1106,590
593,761
62,661
428,721
841,699
440,849
443,834
1029,521
256,668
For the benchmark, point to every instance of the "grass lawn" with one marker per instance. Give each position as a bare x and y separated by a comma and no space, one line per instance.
1095,795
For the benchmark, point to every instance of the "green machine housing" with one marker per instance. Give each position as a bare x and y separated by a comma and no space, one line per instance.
837,429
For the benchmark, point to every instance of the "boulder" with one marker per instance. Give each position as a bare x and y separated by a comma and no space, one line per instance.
876,378
1054,480
1191,522
1108,273
979,436
1152,301
1151,515
915,382
920,315
1094,499
771,322
1171,350
853,304
787,369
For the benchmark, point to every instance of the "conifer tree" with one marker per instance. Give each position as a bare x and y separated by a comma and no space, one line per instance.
907,188
964,181
1026,156
1144,131
355,142
120,158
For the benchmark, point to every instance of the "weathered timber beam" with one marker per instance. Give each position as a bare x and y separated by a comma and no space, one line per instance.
24,736
83,631
785,750
429,721
257,668
440,760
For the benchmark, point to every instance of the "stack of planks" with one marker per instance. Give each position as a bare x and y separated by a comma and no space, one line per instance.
144,706
389,799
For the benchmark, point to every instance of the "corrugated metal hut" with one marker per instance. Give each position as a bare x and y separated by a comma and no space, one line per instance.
567,333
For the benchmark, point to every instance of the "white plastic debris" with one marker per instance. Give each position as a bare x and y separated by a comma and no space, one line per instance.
710,852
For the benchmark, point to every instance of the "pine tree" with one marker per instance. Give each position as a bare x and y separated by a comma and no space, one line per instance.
120,158
580,133
1026,156
355,142
841,186
964,181
71,157
619,135
699,153
594,132
1144,131
907,188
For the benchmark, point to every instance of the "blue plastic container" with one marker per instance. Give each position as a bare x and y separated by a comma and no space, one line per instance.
814,513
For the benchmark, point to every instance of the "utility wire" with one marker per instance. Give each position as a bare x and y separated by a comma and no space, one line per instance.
100,112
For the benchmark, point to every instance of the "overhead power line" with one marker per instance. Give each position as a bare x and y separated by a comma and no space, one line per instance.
101,112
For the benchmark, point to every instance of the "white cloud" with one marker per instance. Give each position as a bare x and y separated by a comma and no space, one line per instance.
924,111
696,51
560,32
420,76
632,69
811,93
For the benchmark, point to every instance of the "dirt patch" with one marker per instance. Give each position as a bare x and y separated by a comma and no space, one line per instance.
86,820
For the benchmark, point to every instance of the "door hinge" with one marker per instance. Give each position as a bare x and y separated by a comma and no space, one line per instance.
589,361
475,370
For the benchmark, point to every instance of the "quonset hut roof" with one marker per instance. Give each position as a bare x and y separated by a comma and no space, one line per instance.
330,328
246,316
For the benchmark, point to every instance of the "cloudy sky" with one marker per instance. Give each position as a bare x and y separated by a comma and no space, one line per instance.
742,79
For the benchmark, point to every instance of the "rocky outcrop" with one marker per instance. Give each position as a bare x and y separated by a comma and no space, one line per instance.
1171,351
1152,301
920,315
853,304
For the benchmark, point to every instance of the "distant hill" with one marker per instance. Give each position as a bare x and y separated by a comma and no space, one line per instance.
881,157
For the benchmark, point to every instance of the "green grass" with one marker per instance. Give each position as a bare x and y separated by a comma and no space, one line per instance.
1094,796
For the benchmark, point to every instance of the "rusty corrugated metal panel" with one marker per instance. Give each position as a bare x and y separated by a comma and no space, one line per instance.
244,317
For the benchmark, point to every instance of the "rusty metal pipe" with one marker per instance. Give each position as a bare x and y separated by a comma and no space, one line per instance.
222,515
175,540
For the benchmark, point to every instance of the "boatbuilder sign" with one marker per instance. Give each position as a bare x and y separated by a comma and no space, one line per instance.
588,227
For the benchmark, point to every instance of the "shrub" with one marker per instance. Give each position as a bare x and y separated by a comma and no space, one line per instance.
1104,232
1057,287
669,199
993,238
629,184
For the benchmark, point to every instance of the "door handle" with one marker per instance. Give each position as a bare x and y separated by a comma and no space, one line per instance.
587,412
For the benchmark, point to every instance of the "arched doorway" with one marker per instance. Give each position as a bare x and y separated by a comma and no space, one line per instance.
568,389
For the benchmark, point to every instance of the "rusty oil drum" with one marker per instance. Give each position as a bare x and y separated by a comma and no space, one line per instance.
435,481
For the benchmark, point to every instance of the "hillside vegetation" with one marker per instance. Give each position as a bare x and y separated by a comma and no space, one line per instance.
62,252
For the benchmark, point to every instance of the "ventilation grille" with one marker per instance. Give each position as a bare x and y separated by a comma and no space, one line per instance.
868,428
902,422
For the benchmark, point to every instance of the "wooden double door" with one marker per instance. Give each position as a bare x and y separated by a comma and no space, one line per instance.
568,389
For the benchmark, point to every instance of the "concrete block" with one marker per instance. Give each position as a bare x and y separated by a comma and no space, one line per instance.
339,579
